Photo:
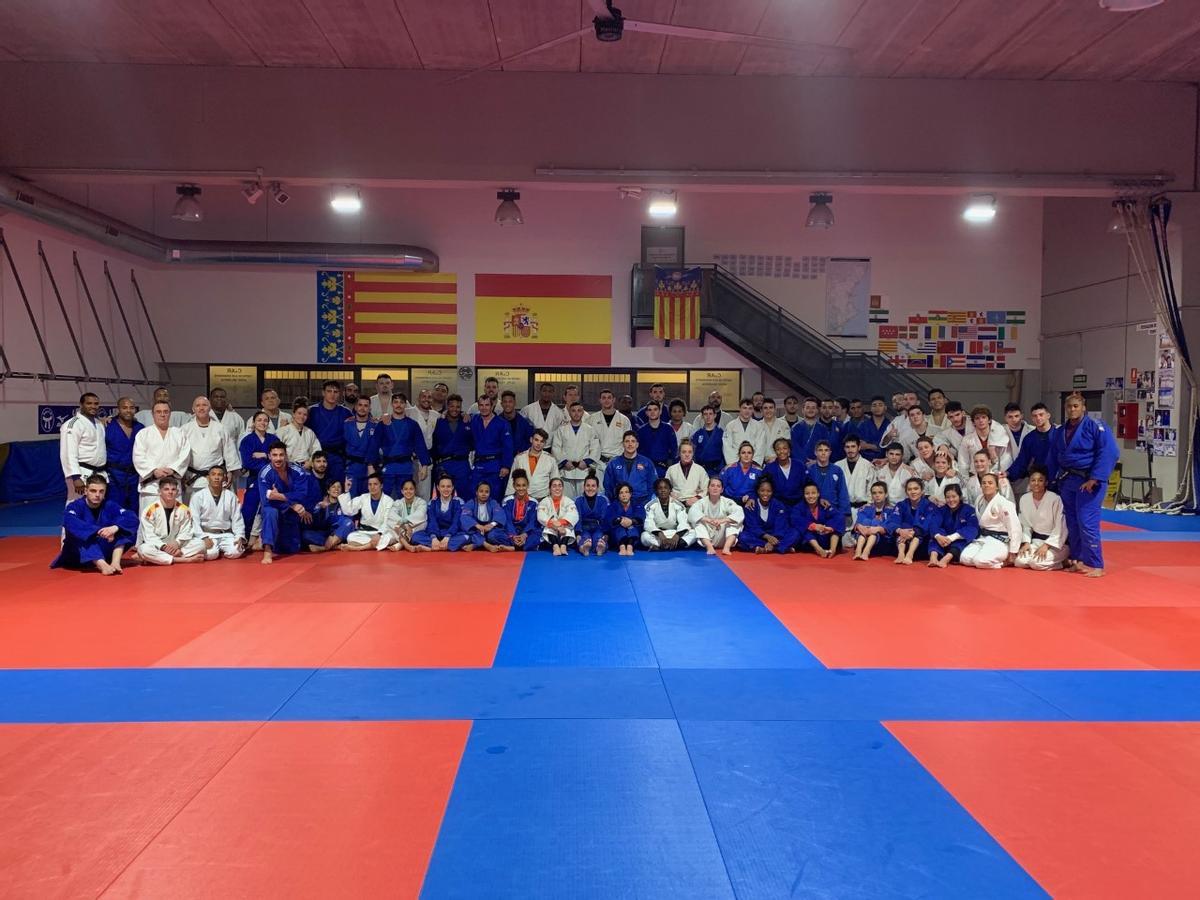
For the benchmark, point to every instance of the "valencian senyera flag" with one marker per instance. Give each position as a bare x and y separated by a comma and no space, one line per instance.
557,320
382,318
677,303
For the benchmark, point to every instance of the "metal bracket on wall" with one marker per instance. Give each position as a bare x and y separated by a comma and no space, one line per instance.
137,354
28,309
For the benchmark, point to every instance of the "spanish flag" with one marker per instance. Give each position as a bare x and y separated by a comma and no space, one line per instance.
395,318
540,320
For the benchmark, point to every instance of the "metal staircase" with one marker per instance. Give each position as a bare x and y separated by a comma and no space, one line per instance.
775,340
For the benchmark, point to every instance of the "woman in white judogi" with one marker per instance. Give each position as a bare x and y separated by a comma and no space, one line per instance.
300,440
1043,526
558,517
538,464
412,515
935,487
999,529
972,492
574,444
377,517
167,533
716,519
217,517
688,478
666,525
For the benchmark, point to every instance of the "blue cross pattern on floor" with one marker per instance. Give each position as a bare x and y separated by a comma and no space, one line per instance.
630,741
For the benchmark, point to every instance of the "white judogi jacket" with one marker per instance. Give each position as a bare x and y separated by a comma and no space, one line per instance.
894,481
217,515
549,421
575,446
539,480
858,482
684,430
381,406
382,520
154,531
935,434
998,436
610,434
973,493
683,487
722,509
673,521
152,450
301,445
1043,518
207,446
1014,444
273,425
233,424
735,432
426,420
566,510
937,492
178,419
999,514
81,440
416,515
773,432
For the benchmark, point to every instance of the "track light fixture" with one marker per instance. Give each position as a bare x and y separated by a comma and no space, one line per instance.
508,213
820,216
663,204
980,209
346,200
187,207
252,190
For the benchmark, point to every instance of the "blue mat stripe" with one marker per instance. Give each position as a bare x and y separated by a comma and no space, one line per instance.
840,809
1151,521
183,695
574,808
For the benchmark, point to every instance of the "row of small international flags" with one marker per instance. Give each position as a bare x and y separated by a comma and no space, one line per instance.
877,315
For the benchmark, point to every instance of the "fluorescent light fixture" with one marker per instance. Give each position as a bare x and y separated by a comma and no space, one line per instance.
187,207
508,213
1128,5
821,215
663,205
981,208
346,200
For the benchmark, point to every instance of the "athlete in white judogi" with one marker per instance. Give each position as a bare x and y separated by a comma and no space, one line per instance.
1043,526
167,534
558,517
1000,530
989,435
577,448
538,463
159,451
81,447
744,428
377,517
217,516
972,492
209,444
610,425
426,418
775,429
666,526
176,419
412,515
545,414
688,478
717,519
276,417
300,440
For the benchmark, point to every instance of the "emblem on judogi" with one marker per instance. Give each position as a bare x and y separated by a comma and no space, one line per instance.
520,322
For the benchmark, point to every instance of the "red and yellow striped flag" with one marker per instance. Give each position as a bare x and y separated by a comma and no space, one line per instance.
677,304
555,320
397,319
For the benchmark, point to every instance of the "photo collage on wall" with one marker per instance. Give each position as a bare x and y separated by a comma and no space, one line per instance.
1155,393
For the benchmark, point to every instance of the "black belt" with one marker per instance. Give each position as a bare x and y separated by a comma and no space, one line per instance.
357,460
216,530
998,535
1078,473
369,528
92,468
858,504
193,474
1038,536
664,463
121,467
457,457
489,458
606,459
393,459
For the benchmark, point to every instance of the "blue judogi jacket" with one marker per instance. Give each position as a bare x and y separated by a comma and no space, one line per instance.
738,484
1092,451
871,517
962,521
303,487
522,432
361,449
778,523
923,518
120,447
327,425
635,512
400,440
81,527
802,516
788,490
710,449
867,430
528,524
445,524
470,515
593,513
1035,448
658,444
452,446
249,445
639,472
832,485
493,442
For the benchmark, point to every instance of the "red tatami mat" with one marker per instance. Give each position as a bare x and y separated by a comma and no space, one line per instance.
315,809
81,801
1091,810
430,634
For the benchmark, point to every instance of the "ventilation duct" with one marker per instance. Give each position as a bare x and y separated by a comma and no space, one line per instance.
34,203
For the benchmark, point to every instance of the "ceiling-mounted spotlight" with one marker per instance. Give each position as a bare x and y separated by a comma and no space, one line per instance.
1128,5
187,207
981,208
346,200
278,194
252,190
629,192
820,216
508,213
663,204
609,29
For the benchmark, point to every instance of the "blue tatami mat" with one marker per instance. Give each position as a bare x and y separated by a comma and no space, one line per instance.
578,809
539,633
840,809
1149,521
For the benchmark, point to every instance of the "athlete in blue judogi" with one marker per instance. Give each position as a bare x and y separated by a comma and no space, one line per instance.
739,478
326,420
788,476
444,530
871,429
493,443
632,468
484,520
912,521
118,440
1035,446
254,450
958,527
330,526
625,518
592,529
400,439
452,445
522,529
767,526
830,481
361,438
870,529
817,528
289,494
1083,453
657,440
96,530
709,443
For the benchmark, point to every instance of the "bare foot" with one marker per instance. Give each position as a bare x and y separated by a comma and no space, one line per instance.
601,548
468,547
944,561
490,548
908,562
316,548
105,568
507,548
267,558
711,552
932,563
899,560
1093,573
727,551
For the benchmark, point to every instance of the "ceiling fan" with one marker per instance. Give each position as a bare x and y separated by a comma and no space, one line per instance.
609,26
